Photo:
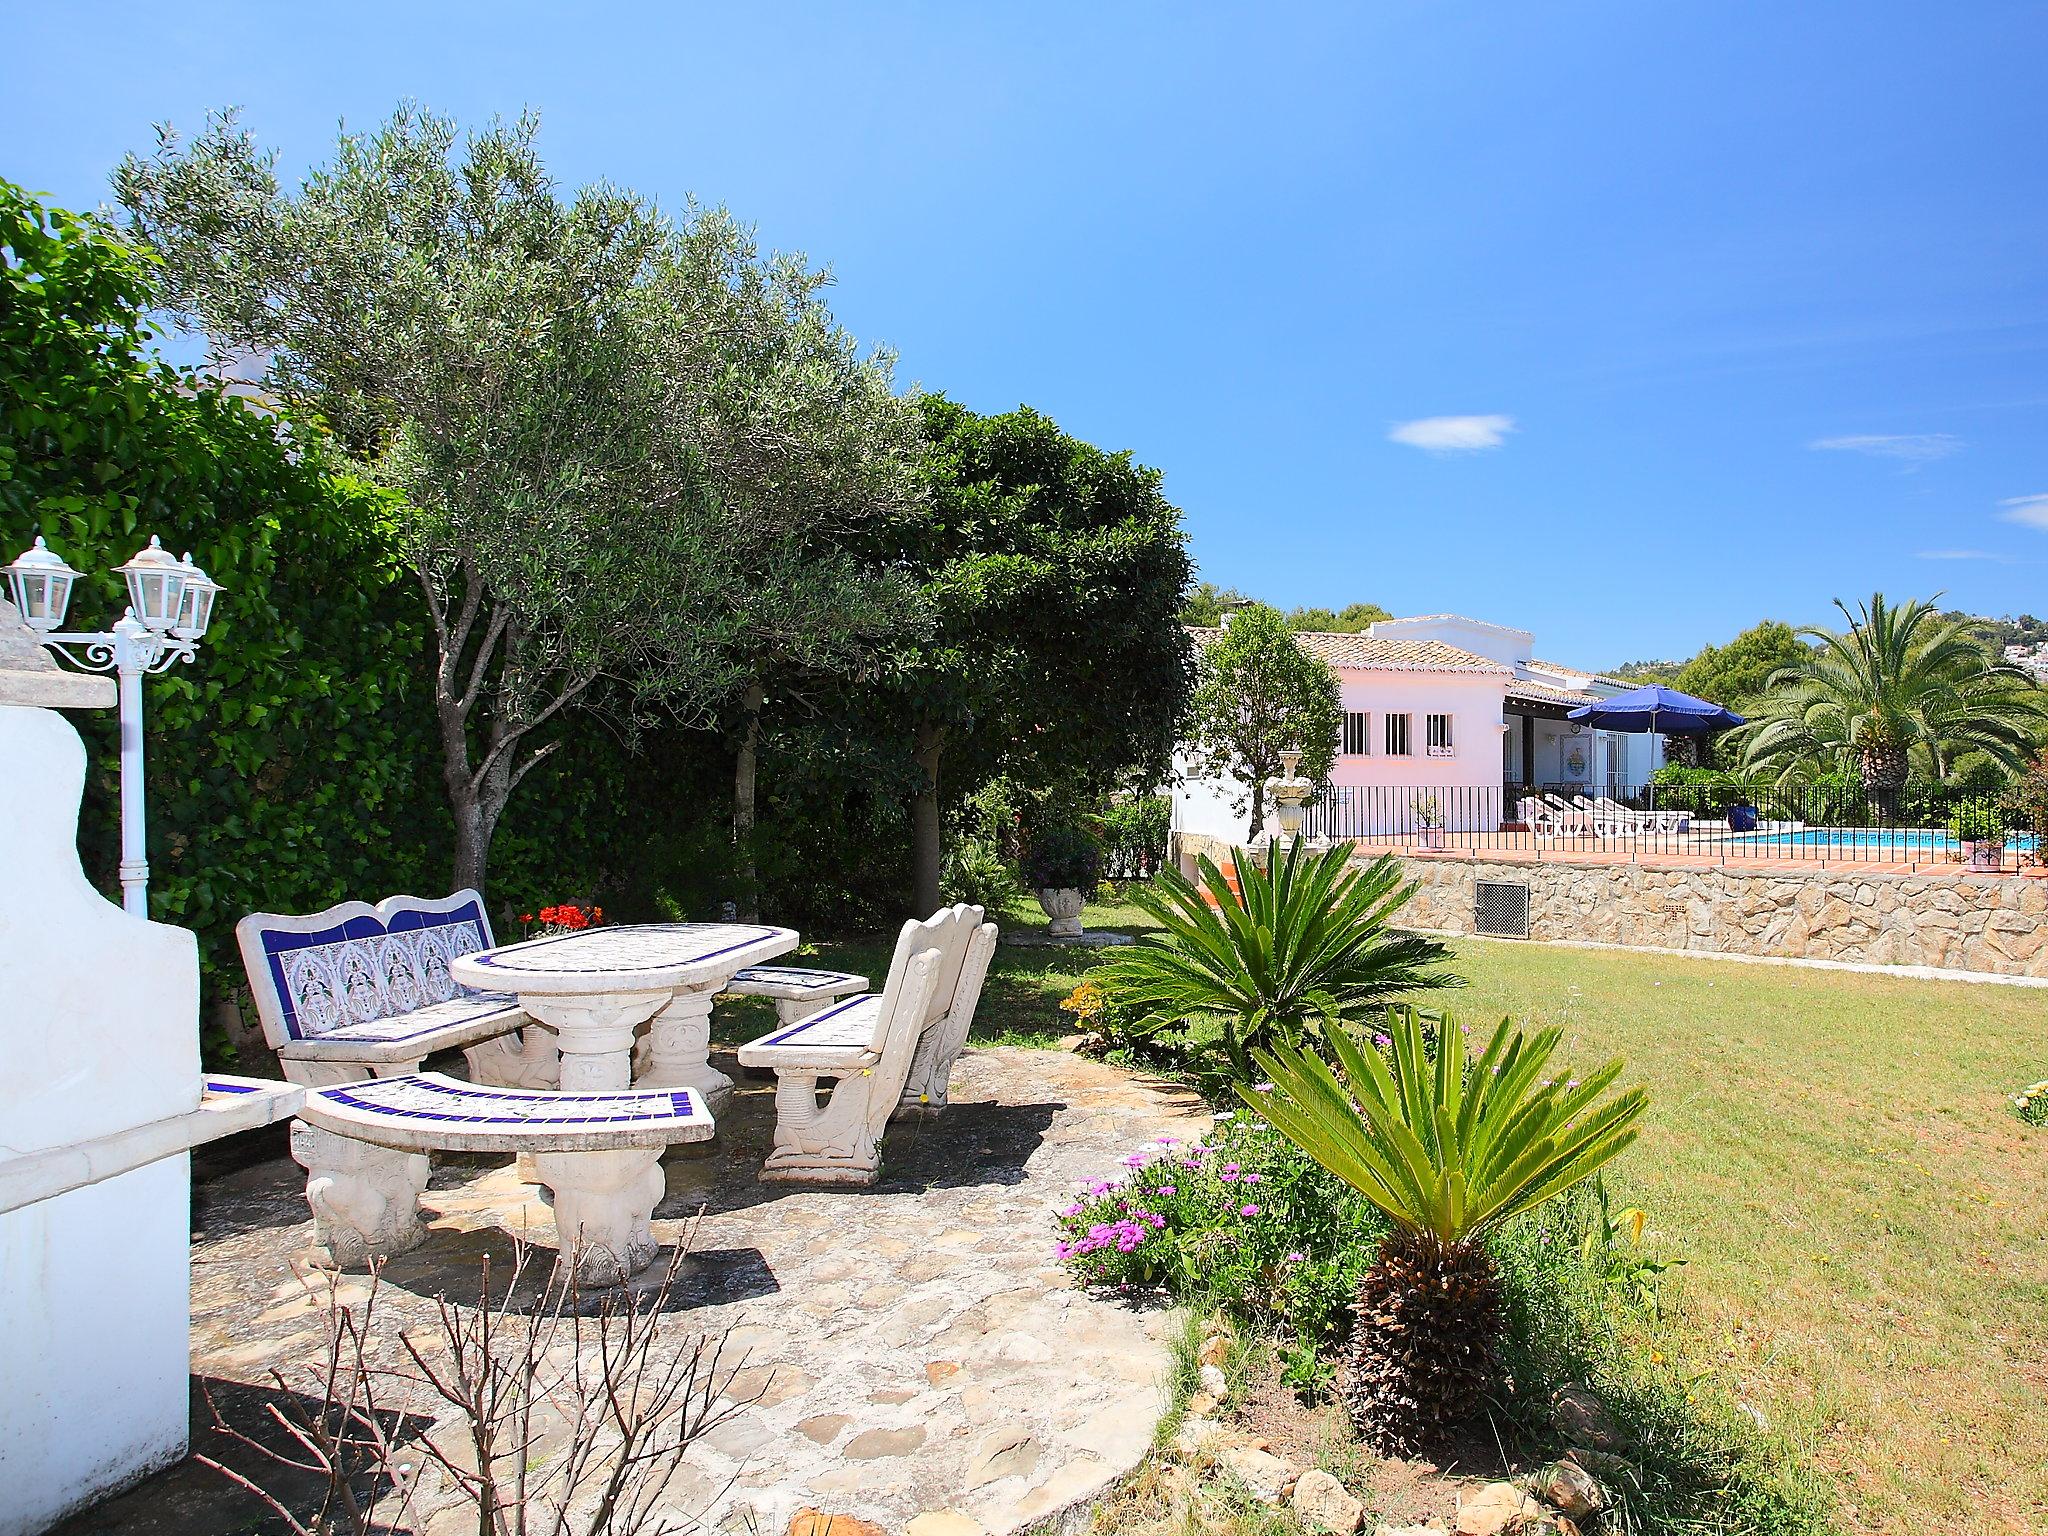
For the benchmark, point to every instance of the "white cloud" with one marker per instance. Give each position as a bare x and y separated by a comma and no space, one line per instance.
1453,434
1958,554
1913,447
2031,510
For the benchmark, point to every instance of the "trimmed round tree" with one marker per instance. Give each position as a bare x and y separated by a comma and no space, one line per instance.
1260,694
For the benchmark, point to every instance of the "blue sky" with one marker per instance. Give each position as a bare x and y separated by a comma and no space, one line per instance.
1707,312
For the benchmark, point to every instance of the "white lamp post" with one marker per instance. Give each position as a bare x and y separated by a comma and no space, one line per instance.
170,604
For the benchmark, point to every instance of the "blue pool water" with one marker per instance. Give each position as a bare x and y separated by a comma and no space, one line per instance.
1896,843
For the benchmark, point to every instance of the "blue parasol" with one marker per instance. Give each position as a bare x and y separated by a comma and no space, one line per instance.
1656,710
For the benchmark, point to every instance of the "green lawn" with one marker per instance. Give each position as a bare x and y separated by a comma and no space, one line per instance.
1863,1217
1019,1005
1833,1155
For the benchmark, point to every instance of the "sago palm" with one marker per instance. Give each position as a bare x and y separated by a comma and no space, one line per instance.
1306,943
1449,1149
1898,682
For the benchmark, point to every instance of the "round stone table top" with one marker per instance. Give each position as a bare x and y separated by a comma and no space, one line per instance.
637,957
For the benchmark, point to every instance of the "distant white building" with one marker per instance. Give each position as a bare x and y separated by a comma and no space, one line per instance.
1443,709
2032,659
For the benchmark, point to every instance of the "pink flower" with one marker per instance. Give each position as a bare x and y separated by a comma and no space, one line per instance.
1297,1258
1249,1210
1253,1178
1135,1160
1166,1189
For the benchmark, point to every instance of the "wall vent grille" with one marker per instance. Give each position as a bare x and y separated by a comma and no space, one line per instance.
1501,909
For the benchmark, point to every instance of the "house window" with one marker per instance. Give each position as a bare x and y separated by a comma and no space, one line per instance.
1356,743
1400,737
1439,735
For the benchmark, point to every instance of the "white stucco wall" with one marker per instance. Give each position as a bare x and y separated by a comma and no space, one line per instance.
99,1033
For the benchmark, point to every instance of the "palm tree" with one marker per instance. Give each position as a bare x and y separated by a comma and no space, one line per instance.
1899,682
1450,1149
1305,944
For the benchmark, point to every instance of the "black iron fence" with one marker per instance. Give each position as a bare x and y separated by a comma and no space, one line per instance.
1721,821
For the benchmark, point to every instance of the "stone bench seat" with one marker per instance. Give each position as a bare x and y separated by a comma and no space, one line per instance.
837,1039
356,990
885,1055
364,1144
404,1039
798,991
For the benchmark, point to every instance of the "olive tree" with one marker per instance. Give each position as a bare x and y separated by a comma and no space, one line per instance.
530,369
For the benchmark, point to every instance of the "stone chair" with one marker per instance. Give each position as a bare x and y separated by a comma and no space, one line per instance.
864,1047
359,991
969,945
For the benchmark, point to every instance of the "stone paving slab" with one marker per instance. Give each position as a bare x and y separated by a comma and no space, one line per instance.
911,1350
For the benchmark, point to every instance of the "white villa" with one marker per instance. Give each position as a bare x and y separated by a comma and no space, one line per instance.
1443,708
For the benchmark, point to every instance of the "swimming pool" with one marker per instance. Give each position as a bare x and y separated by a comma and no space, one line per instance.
1892,842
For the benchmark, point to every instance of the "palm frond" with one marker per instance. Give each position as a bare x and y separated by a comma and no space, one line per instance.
1448,1147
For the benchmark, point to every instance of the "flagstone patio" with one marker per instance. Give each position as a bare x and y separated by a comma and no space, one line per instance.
909,1351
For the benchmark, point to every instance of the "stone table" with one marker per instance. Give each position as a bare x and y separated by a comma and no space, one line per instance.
594,988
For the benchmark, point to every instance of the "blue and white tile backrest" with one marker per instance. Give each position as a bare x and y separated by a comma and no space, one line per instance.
374,976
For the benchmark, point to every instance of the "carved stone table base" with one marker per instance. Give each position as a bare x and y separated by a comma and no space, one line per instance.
604,1207
365,1199
680,1051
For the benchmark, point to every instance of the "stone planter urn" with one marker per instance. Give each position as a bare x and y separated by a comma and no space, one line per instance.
1984,855
1063,906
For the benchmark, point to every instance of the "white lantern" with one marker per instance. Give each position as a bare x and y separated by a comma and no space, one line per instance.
195,612
42,586
156,585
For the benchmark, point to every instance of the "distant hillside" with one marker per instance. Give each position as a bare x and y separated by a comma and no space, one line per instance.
1645,671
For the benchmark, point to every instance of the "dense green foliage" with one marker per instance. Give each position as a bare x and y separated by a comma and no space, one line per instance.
282,764
1242,1220
1735,673
618,436
1207,603
1133,832
1302,950
1053,573
1899,689
295,763
1259,694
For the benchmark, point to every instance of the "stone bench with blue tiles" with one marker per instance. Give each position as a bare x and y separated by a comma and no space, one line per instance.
358,991
797,991
364,1147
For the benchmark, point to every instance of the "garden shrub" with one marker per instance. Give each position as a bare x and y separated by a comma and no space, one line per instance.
1241,1220
1133,831
285,763
975,873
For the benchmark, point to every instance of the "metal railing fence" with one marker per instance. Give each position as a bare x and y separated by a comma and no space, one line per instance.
1799,822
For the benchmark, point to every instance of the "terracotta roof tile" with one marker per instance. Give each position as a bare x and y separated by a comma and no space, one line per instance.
1366,653
1547,693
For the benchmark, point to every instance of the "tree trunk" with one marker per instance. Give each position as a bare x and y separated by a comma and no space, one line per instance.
1884,766
926,853
1258,806
476,809
744,769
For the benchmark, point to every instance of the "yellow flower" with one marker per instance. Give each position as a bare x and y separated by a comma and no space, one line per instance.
1085,1002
